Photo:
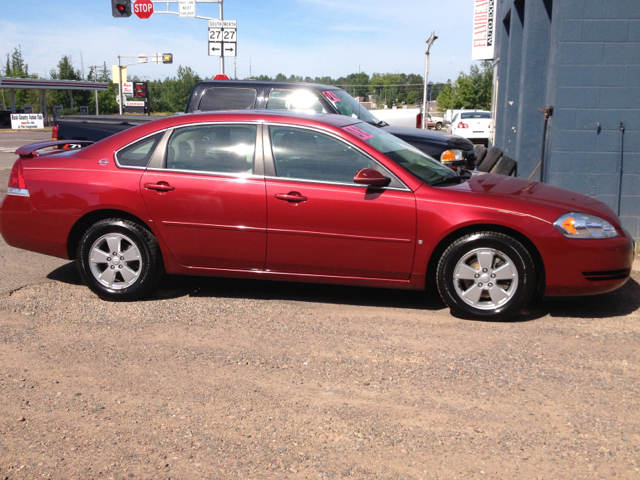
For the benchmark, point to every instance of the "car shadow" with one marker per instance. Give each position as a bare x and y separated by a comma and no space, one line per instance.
621,302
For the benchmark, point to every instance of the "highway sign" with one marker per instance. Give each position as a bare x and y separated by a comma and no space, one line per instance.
215,49
219,34
223,23
143,8
229,49
187,8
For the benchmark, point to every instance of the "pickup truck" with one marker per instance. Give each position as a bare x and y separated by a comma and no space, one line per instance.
214,95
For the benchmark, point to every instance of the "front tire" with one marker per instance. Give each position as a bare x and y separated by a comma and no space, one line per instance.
486,276
119,260
439,126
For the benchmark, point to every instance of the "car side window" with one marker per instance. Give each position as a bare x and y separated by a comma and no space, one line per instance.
307,155
228,98
138,153
213,148
291,99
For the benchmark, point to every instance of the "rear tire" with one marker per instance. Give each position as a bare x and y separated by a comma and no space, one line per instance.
119,260
486,276
439,126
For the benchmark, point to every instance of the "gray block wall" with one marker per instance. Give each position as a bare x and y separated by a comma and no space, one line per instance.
582,57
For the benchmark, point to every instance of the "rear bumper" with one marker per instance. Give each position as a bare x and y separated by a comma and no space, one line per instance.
589,267
18,221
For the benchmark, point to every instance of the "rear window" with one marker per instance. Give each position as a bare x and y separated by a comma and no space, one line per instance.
139,153
476,115
228,98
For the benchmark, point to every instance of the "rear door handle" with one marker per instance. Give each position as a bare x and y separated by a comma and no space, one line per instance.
159,187
294,197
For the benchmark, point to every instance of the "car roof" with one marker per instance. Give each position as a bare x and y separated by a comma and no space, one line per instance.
278,116
260,83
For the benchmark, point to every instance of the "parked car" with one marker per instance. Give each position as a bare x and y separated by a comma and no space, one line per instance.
434,121
220,95
475,126
306,198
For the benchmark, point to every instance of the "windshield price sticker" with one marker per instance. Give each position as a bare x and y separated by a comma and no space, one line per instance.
331,96
356,132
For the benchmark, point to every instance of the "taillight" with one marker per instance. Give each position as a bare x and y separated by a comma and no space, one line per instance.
54,133
17,185
419,120
463,125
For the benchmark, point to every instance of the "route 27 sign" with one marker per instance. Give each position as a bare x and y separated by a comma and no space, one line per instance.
222,38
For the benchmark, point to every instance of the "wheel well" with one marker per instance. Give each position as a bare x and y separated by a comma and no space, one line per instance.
89,219
453,236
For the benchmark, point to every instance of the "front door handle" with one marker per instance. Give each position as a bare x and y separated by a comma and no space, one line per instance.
159,187
294,197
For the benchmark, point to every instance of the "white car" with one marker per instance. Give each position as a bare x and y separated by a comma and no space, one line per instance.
476,126
435,122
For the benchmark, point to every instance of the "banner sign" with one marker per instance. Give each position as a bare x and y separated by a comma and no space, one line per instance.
484,29
27,121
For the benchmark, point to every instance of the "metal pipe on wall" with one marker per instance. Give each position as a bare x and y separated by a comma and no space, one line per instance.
621,169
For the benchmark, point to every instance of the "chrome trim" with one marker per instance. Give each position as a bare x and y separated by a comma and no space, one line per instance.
19,192
211,174
287,179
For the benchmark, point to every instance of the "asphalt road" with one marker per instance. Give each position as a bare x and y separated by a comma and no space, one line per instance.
212,378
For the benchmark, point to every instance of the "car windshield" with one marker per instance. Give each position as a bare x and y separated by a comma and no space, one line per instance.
410,158
345,104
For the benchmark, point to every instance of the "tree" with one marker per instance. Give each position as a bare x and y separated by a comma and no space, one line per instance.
473,90
66,71
358,85
16,67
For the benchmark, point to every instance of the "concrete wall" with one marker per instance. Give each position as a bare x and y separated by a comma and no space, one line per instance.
582,57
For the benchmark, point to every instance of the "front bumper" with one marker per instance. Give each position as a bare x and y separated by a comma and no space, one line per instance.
589,267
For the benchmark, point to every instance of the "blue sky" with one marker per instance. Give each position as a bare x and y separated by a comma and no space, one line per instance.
302,37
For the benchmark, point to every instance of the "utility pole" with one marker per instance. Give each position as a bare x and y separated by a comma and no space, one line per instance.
430,41
95,79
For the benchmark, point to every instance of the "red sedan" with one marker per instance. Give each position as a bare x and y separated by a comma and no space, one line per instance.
310,198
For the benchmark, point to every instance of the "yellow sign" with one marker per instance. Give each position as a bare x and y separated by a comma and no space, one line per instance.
116,74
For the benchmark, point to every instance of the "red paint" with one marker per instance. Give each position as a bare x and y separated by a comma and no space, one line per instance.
278,228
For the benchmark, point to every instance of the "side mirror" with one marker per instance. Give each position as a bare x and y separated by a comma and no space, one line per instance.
368,176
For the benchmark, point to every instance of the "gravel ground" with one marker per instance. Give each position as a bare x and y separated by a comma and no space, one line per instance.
242,379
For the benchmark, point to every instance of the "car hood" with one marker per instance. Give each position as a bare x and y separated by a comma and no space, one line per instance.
440,138
557,200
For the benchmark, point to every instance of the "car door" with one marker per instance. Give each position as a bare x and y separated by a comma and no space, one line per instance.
320,222
207,196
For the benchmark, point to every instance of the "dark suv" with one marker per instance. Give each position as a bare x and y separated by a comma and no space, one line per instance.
255,95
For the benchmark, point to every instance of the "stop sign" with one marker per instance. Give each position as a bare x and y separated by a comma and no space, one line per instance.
143,8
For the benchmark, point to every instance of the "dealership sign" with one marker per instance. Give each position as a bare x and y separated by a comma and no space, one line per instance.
484,29
27,121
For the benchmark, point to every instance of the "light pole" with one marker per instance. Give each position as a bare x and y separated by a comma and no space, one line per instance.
430,41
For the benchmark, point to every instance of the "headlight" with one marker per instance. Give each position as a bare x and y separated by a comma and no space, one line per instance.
583,225
451,156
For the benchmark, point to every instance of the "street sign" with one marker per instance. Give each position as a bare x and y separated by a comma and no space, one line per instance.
223,23
143,8
219,34
215,49
127,89
229,49
187,8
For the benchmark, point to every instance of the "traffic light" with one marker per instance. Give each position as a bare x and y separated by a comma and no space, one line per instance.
121,8
167,58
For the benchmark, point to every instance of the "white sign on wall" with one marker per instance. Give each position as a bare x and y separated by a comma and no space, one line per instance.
484,29
27,121
187,8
